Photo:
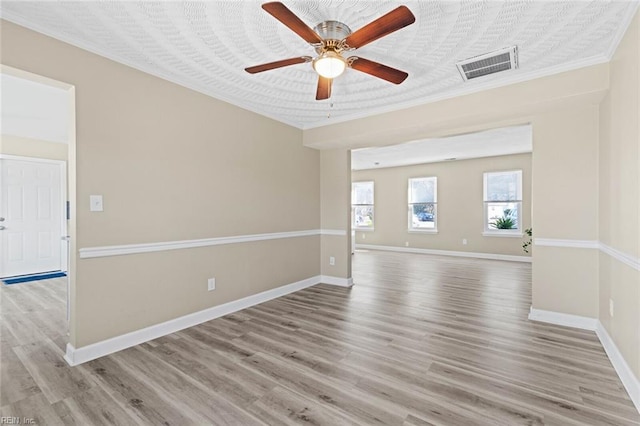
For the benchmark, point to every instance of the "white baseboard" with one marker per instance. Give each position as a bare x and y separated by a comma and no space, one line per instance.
342,282
628,379
75,356
567,320
491,256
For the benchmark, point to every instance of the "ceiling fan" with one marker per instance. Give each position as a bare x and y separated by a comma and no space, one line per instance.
331,39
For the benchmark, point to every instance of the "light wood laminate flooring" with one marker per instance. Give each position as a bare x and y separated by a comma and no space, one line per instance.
419,340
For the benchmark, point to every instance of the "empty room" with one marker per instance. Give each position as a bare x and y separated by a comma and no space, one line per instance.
378,212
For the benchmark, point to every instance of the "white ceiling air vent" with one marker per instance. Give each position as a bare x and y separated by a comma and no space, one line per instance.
489,63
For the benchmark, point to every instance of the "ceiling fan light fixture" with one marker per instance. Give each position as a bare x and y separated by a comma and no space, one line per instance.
329,65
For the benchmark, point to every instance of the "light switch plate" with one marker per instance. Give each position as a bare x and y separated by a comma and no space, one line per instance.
95,203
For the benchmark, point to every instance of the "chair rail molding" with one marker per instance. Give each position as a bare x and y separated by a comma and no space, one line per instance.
625,258
555,242
629,260
103,251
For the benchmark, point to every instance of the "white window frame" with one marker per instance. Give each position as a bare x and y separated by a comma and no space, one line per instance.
492,232
353,206
410,205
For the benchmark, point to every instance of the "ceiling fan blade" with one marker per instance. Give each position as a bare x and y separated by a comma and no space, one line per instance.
377,70
392,21
324,88
288,18
278,64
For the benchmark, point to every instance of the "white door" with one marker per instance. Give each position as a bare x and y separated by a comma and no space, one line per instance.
31,217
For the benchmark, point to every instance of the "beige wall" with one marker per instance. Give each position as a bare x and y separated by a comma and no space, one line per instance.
173,164
509,105
335,211
565,207
170,284
26,147
565,280
460,213
620,197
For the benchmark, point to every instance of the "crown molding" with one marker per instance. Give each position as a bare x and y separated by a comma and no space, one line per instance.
622,29
6,15
468,88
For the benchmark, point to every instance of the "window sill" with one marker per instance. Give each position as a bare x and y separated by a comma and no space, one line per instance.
502,234
422,231
363,229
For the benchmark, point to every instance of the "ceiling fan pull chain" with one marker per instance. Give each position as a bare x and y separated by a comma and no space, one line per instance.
330,108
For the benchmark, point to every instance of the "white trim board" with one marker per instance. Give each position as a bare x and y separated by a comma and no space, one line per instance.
75,356
335,232
90,252
341,282
491,256
622,30
31,159
628,379
625,258
553,242
567,320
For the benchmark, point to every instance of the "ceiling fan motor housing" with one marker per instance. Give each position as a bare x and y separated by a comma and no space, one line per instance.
332,32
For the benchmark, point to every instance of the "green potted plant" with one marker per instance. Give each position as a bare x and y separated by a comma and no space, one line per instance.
527,244
504,222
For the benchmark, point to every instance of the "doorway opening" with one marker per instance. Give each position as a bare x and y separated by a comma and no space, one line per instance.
426,196
37,206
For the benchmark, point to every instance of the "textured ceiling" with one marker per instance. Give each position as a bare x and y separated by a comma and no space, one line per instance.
206,46
488,143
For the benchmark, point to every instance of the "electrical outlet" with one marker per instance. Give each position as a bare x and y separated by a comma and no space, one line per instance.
211,284
611,308
364,236
332,261
464,241
406,243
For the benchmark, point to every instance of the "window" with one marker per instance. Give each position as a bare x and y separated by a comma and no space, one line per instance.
362,205
423,194
503,203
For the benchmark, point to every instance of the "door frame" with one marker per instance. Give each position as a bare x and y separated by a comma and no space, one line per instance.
70,186
64,232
